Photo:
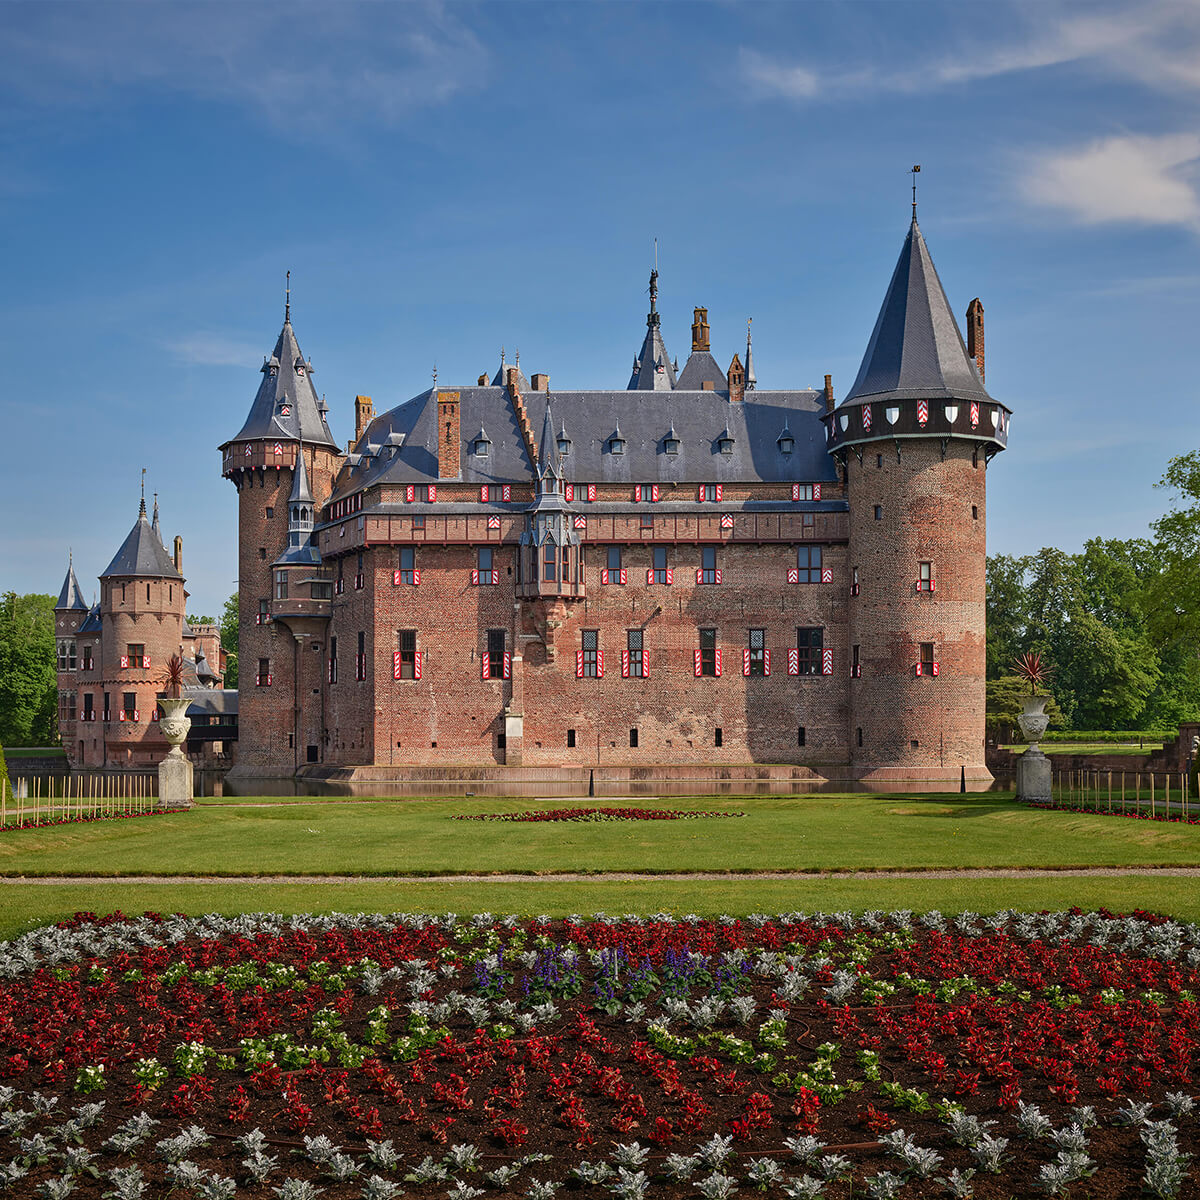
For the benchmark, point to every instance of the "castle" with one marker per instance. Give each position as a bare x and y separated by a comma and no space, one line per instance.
691,569
112,656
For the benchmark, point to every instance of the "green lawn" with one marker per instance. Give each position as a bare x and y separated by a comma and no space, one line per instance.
1107,748
23,906
807,833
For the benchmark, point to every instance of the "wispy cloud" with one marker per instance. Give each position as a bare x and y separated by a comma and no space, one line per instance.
307,68
1156,44
214,350
1141,179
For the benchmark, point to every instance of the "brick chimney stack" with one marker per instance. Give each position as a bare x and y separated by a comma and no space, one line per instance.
699,329
737,380
829,393
449,438
179,554
364,414
975,335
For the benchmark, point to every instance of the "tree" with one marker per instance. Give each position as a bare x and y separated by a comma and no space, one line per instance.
28,682
1007,612
229,640
1005,697
194,620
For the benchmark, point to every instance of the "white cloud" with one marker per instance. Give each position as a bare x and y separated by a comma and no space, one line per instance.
766,78
213,350
307,68
1143,179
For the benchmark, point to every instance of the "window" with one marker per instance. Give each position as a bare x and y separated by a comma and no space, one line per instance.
570,739
264,612
129,705
974,512
717,736
550,562
709,491
263,678
809,641
66,656
333,660
725,444
262,554
927,665
589,662
808,524
418,522
633,645
613,572
495,645
855,665
854,582
670,444
566,564
482,447
647,521
281,585
358,578
136,655
88,662
925,581
484,559
270,512
708,657
408,569
616,445
756,653
633,739
107,706
360,665
879,512
89,712
802,491
408,654
879,461
800,736
708,565
860,735
808,564
662,573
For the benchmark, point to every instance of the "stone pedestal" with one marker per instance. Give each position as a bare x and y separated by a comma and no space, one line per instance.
1033,776
175,771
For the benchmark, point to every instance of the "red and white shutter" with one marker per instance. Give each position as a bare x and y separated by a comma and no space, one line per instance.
486,660
493,522
826,662
718,660
922,413
418,657
670,575
795,491
475,576
637,493
974,418
699,574
483,493
604,575
395,665
569,493
417,577
698,663
793,574
145,660
727,520
495,575
766,662
507,664
124,660
826,574
700,492
935,668
816,491
646,664
578,664
919,669
580,522
866,418
599,664
718,574
410,493
745,662
137,716
591,492
624,664
432,492
720,493
506,492
649,575
654,493
395,579
793,661
624,574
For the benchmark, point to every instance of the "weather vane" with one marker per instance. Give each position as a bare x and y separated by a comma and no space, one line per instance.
914,173
287,300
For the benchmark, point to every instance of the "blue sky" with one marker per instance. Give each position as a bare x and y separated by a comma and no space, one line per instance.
443,180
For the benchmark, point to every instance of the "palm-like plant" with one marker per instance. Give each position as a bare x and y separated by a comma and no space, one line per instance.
173,677
1033,669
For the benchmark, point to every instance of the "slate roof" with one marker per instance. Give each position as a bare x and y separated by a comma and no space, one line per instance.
699,367
916,350
647,375
92,622
287,387
589,420
205,701
71,596
142,554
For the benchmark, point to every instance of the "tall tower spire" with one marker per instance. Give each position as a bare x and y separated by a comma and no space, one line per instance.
751,382
287,300
142,509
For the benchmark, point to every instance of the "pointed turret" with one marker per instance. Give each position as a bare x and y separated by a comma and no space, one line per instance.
142,553
549,462
301,519
70,596
286,406
154,523
916,350
652,369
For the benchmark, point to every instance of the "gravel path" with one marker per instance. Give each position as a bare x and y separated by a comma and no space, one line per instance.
622,876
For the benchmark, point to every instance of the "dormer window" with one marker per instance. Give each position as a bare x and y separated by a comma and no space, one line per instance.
300,368
482,447
785,441
616,443
725,443
670,442
564,443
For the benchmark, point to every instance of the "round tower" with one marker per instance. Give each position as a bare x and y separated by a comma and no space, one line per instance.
914,436
287,419
70,614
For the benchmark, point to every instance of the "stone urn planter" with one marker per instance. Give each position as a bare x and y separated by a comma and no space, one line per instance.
1033,719
1034,780
175,771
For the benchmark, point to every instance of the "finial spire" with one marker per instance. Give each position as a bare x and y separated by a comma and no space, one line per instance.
435,374
751,382
652,317
914,173
142,509
287,300
517,360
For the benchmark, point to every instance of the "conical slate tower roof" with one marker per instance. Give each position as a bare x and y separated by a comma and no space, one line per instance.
653,370
916,350
142,554
71,597
286,406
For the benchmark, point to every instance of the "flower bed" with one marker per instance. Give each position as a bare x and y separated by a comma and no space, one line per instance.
599,814
827,1055
45,823
1180,819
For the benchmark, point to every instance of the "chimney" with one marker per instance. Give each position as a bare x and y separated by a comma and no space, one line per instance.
699,329
179,554
364,414
708,385
829,393
482,380
975,335
540,383
449,439
737,380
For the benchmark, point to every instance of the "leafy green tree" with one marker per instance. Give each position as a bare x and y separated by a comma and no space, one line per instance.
1005,696
229,639
1007,612
193,620
28,683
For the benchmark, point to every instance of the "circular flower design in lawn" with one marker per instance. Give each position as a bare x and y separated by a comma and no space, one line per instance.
794,1055
598,814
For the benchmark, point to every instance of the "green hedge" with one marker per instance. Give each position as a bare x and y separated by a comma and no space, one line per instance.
1109,736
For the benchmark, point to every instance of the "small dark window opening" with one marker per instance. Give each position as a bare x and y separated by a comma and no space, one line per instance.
926,658
570,739
291,741
312,754
974,512
879,460
262,553
633,739
647,521
270,512
860,735
495,644
915,744
501,741
879,512
800,736
717,736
